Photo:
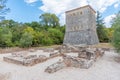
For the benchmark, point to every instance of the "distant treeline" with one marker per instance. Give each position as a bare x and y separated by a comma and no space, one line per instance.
45,32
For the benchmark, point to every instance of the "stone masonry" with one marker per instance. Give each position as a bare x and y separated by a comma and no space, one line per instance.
81,26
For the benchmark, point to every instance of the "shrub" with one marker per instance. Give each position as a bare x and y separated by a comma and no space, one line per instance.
26,40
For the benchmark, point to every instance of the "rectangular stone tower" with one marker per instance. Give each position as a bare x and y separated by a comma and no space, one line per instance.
81,26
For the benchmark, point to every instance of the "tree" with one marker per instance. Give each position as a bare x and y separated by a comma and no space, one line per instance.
26,40
35,25
102,33
3,9
56,35
8,23
48,19
27,37
5,37
116,33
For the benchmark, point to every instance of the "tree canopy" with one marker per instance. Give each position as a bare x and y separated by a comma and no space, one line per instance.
101,30
48,19
3,9
116,33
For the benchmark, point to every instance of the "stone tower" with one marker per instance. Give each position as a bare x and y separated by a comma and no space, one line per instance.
81,26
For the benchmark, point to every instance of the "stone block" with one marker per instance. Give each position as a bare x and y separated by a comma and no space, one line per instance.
55,67
54,54
48,50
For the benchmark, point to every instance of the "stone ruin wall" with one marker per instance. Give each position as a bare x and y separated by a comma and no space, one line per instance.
81,27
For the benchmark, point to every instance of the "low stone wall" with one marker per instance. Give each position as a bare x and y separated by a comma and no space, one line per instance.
26,61
77,62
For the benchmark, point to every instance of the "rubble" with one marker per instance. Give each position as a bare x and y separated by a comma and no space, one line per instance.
73,56
48,50
55,67
83,58
71,61
54,54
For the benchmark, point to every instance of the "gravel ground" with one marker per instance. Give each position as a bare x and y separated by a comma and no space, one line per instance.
106,68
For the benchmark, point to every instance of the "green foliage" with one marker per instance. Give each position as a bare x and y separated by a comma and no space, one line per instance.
116,33
56,35
101,30
37,39
3,9
109,32
48,19
27,37
5,37
46,40
31,34
35,25
26,40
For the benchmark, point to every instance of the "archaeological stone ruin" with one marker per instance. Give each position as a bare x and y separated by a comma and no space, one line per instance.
76,51
81,26
76,56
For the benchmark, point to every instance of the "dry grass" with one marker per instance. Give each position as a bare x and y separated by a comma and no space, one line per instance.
14,49
103,45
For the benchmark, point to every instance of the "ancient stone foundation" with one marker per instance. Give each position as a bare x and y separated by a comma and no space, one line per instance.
82,57
28,59
85,59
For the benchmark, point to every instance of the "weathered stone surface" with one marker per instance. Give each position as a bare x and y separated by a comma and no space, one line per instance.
55,67
26,61
13,60
81,27
77,62
32,50
87,54
66,48
48,50
99,53
54,54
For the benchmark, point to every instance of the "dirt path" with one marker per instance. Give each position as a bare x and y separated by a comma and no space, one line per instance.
106,68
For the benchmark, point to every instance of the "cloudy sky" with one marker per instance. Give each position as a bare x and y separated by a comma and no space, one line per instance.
30,10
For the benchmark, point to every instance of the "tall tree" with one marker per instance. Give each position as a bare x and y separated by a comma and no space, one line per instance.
3,9
116,33
102,34
48,19
5,37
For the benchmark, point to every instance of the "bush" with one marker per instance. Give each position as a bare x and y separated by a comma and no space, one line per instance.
56,35
26,40
116,39
5,37
47,41
116,33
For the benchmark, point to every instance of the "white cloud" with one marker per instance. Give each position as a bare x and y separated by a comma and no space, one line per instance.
108,20
30,1
116,5
60,6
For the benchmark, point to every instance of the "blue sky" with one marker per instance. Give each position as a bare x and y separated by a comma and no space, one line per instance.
30,10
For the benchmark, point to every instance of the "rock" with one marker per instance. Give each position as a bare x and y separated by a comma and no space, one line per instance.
85,64
54,54
77,62
87,54
32,50
66,48
48,50
30,57
55,67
